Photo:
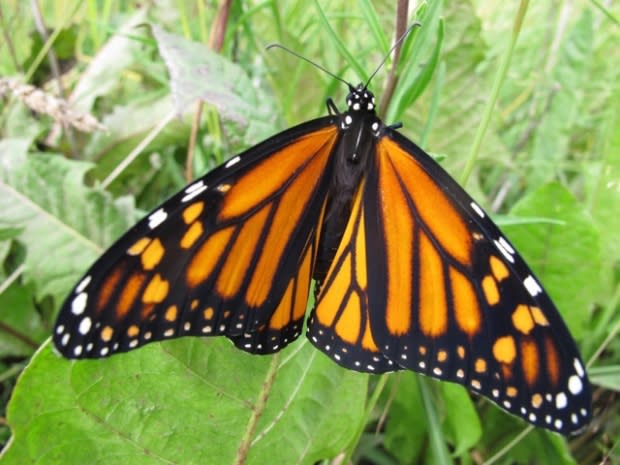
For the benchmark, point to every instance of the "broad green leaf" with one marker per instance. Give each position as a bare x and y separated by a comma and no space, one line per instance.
196,72
22,329
405,430
566,257
64,224
105,71
187,401
461,424
126,127
553,133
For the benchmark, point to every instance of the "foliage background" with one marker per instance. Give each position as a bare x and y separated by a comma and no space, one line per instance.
548,168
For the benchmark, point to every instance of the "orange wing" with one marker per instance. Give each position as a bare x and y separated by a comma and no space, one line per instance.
424,280
232,254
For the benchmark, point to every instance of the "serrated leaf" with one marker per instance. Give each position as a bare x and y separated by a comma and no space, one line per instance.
196,72
186,401
64,224
565,256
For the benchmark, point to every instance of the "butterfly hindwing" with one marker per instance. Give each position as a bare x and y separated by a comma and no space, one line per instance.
340,324
213,259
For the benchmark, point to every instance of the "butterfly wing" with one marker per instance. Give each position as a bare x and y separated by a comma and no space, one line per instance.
447,296
232,254
340,323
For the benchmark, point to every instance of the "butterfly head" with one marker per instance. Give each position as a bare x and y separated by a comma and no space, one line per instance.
360,99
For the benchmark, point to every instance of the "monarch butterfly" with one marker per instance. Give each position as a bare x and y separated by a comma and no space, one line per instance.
410,272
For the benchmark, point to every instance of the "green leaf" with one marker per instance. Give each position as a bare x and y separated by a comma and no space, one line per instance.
22,330
462,424
186,401
196,72
405,430
552,136
417,68
105,71
566,257
63,223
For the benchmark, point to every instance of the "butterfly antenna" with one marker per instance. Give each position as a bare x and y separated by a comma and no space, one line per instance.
396,44
316,65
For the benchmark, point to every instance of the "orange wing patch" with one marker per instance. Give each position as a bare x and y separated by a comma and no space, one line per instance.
447,226
340,323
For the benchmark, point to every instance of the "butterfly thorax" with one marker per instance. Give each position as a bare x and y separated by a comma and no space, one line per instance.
360,128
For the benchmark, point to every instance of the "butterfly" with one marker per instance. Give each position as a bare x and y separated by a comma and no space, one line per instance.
409,271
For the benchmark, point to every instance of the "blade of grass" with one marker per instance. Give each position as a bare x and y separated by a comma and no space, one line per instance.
50,41
370,14
342,49
435,432
500,76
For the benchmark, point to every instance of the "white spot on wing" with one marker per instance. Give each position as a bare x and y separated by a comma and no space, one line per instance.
506,245
574,384
157,217
83,283
79,303
77,350
194,190
60,329
85,325
578,368
503,251
561,401
65,339
558,424
532,286
233,161
475,207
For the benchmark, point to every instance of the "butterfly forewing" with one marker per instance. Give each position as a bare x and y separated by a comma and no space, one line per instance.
214,258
